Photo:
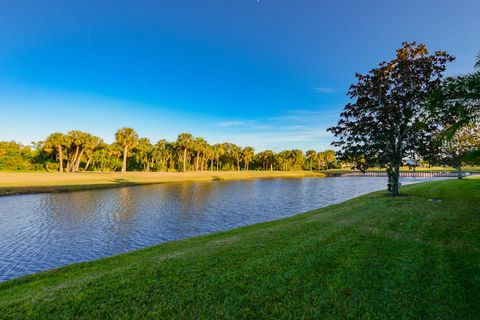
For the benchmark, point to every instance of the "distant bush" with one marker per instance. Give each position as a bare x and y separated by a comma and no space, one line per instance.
15,156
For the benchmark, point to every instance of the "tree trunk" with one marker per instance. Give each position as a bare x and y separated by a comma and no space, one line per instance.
196,162
87,164
124,163
60,156
77,163
394,180
459,171
73,161
184,159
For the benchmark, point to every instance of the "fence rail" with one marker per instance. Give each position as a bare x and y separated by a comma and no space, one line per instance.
411,174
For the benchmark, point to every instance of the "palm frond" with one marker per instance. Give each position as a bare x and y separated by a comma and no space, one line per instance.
477,63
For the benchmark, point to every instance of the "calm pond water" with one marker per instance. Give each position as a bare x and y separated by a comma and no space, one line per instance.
44,231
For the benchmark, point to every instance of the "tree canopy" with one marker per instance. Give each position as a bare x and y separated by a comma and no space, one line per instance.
386,119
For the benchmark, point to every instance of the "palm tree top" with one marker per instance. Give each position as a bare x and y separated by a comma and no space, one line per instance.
477,63
126,137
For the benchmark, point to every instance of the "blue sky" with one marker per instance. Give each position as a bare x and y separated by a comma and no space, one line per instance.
270,73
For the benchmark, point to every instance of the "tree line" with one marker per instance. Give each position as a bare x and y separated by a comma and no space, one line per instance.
76,151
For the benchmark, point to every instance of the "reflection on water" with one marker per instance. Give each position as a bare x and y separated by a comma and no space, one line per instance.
43,231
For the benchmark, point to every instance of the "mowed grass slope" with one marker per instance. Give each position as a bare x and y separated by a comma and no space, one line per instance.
35,182
411,257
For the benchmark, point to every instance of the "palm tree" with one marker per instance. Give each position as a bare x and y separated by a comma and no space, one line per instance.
248,153
270,159
267,158
284,158
465,141
55,143
88,143
91,144
321,159
128,139
185,141
261,156
94,145
114,153
161,154
143,153
457,101
311,157
209,156
330,157
199,147
236,152
218,151
75,138
298,158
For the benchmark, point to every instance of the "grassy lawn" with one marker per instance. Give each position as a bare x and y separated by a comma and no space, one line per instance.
416,256
34,182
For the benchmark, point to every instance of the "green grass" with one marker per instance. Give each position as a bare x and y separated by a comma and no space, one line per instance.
371,257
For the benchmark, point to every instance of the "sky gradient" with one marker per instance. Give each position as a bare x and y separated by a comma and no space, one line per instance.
270,73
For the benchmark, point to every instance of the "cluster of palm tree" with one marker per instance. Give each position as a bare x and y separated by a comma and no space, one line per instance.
324,159
459,100
72,148
457,103
81,151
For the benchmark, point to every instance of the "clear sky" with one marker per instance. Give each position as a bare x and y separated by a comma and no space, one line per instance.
267,73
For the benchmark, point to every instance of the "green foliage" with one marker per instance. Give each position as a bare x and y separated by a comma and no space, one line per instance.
14,156
457,102
81,151
462,147
388,118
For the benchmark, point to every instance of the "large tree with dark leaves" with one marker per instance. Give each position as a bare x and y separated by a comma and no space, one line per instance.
388,119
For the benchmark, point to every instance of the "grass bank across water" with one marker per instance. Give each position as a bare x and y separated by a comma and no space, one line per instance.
415,256
37,182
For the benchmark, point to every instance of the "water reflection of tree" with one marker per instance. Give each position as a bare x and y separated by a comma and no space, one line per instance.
125,204
72,206
120,216
193,198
